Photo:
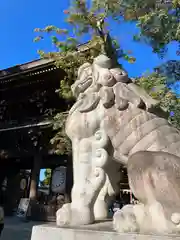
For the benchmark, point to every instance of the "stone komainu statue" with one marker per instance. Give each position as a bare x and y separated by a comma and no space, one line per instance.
111,124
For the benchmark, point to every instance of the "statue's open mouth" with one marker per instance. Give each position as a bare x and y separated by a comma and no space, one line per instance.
81,86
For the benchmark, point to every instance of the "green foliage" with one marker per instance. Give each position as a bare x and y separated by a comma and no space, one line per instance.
171,70
60,141
158,23
47,178
160,28
71,53
155,85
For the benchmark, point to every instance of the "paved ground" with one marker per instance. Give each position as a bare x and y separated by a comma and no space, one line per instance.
15,229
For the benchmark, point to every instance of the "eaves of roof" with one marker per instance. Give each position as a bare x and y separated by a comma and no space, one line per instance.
33,66
25,68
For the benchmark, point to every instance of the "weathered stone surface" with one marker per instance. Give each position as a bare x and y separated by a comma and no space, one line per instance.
112,123
95,231
154,178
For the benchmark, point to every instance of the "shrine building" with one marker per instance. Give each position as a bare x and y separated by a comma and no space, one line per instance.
28,103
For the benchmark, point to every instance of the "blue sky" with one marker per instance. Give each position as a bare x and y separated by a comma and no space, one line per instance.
41,177
19,18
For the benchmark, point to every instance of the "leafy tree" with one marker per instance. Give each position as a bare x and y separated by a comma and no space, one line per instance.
171,70
158,24
47,178
156,85
158,20
83,20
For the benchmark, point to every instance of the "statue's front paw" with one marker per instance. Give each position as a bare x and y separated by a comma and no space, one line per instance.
74,216
63,215
124,220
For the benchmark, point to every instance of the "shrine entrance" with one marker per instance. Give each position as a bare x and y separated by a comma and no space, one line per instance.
53,191
16,184
28,104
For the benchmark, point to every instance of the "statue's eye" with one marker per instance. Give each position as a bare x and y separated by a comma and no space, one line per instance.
107,79
108,76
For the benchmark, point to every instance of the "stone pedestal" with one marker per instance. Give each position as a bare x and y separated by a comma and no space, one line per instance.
99,231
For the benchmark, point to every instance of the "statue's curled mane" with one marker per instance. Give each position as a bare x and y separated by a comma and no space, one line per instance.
101,81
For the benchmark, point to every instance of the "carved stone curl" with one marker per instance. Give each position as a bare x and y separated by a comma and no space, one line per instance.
110,125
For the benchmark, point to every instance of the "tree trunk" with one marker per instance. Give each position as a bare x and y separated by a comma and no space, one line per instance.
35,177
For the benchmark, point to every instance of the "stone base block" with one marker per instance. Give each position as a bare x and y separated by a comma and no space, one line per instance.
98,231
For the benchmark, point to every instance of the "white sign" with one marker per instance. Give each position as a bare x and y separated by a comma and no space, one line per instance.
23,207
58,184
23,184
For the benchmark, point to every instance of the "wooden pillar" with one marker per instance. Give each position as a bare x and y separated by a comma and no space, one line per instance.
12,191
35,177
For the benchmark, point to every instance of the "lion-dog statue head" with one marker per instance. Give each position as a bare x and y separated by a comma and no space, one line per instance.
110,84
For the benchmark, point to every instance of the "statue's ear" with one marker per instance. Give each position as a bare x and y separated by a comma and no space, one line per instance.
124,95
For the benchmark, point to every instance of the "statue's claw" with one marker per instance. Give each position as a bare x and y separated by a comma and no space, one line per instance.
124,220
67,215
63,215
